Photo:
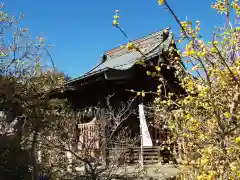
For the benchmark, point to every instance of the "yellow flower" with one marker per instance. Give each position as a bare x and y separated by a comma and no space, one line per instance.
237,63
206,89
213,50
129,46
154,74
192,52
172,127
198,53
187,100
148,73
227,114
237,140
143,94
116,17
158,68
138,93
233,168
196,122
115,22
160,2
235,5
187,53
188,116
164,102
204,161
202,136
202,46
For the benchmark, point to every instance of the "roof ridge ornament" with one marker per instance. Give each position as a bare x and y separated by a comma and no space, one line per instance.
104,58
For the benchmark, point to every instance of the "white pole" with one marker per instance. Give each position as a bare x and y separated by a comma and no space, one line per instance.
141,136
141,149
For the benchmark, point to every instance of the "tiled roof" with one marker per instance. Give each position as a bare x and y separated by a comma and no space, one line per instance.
122,62
123,59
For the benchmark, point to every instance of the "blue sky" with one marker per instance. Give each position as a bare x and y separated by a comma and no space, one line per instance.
81,30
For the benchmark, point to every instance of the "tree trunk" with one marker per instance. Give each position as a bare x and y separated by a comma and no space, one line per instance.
33,154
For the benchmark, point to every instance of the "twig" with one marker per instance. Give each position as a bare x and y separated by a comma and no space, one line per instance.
122,32
176,18
53,65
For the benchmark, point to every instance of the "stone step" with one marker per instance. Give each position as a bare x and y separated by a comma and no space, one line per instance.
151,155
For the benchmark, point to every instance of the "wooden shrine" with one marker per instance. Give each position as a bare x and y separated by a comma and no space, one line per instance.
118,73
